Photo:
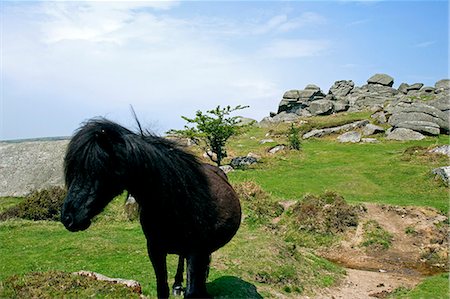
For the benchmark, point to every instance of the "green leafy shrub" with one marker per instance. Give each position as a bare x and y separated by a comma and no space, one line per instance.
39,205
294,138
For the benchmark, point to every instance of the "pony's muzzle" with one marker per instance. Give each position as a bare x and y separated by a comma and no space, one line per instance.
67,220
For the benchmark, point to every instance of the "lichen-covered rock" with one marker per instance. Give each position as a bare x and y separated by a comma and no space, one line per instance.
381,79
371,129
423,127
352,136
321,107
402,134
443,173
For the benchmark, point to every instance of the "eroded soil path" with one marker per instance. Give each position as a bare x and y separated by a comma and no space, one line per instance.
419,248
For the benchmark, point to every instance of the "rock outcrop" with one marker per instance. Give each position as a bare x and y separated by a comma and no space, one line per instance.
422,109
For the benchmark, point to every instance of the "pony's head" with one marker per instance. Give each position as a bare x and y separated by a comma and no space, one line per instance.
94,169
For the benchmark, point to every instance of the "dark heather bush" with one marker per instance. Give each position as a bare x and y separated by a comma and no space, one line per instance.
39,205
259,207
327,213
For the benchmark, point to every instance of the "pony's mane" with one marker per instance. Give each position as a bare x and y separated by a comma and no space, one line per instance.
164,166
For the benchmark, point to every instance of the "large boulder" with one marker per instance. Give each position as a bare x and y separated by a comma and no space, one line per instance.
424,127
416,111
341,88
321,107
381,79
402,134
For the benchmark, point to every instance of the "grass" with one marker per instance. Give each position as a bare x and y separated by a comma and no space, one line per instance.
255,262
260,261
436,287
377,173
375,237
55,284
8,202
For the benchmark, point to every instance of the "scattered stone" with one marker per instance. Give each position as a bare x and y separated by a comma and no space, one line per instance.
277,148
382,79
444,150
443,173
132,284
266,141
402,134
242,162
226,168
352,136
370,129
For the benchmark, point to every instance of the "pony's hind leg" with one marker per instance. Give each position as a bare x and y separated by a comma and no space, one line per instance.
197,273
177,288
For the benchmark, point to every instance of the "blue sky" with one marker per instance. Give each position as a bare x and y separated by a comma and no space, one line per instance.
64,62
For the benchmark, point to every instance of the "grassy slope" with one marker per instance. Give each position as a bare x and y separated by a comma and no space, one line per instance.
255,262
360,172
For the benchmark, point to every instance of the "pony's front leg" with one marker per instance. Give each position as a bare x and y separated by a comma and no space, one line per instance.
197,273
158,259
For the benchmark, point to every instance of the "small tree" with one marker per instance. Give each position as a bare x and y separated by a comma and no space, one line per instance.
211,130
293,138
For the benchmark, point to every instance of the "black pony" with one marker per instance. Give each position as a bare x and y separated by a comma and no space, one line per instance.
187,208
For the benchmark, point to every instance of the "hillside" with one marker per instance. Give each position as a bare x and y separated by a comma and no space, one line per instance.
388,183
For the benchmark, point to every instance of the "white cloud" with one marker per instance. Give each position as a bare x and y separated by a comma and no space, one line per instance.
100,57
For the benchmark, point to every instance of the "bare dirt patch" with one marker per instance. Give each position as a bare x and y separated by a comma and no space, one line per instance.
419,248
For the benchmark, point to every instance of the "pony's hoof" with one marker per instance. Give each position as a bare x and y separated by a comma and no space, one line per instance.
177,291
